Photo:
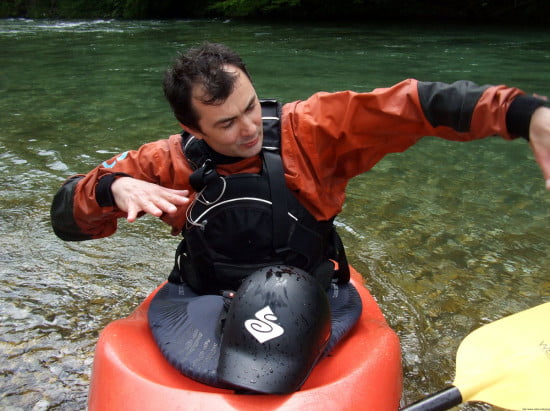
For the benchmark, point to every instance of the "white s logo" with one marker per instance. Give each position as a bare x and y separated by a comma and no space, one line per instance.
264,328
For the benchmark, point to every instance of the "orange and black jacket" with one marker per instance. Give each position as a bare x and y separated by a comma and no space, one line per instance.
325,141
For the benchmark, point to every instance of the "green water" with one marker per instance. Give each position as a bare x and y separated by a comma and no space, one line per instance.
449,236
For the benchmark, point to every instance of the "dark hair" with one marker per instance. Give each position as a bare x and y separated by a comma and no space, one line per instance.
202,66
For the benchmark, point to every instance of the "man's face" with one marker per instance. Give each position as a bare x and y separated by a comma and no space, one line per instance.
233,128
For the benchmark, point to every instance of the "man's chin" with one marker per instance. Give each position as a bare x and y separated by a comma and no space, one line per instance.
252,148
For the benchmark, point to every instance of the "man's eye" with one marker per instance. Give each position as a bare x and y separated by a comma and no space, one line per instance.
227,125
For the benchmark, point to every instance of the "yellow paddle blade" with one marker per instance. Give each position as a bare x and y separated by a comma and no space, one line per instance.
507,363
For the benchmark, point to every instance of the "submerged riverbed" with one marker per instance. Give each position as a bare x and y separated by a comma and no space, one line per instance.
449,236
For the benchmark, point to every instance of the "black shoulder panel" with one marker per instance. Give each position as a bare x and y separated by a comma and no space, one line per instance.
450,105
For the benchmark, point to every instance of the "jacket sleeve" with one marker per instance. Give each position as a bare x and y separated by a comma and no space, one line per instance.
332,137
347,133
83,208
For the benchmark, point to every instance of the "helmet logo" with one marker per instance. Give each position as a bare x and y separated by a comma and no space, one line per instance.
263,328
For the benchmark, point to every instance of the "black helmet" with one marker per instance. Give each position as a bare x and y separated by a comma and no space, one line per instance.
276,329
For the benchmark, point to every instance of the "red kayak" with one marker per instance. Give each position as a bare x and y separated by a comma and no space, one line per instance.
362,373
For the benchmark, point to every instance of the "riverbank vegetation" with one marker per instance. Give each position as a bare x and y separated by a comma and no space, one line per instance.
471,11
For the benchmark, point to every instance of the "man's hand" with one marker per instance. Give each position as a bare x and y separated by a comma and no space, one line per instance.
134,196
539,136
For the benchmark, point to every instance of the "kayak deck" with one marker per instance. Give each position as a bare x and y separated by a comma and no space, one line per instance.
363,372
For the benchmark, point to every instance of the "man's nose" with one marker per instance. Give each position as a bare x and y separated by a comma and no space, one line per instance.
248,126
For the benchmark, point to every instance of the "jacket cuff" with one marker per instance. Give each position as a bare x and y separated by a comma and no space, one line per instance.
61,212
103,193
518,117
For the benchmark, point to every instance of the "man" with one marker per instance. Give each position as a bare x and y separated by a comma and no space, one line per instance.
225,155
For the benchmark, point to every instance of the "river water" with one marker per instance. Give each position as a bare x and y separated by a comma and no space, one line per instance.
449,236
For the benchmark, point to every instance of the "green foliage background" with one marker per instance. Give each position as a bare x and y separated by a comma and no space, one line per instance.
475,11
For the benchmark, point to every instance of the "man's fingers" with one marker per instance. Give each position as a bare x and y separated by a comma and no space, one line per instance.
156,207
179,197
167,206
132,213
136,196
153,208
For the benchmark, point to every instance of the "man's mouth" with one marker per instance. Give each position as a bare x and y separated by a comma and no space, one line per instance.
251,143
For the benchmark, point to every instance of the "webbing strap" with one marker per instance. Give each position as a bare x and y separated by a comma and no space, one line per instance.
271,112
343,266
277,185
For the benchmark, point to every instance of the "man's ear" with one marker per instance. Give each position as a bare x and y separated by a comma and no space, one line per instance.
191,130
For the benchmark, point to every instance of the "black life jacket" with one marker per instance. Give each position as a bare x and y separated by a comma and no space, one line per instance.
243,222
